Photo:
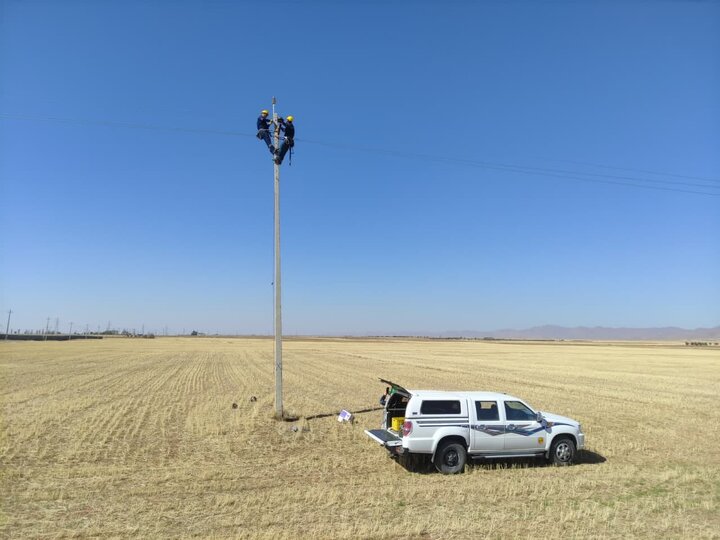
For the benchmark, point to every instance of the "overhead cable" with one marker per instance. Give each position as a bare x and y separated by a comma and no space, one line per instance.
583,176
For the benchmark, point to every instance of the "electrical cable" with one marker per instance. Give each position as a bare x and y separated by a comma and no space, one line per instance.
537,171
644,171
522,169
111,123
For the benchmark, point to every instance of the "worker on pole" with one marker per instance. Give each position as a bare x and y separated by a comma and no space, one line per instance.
288,128
263,126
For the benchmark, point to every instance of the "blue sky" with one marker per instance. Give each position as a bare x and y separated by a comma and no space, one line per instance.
133,189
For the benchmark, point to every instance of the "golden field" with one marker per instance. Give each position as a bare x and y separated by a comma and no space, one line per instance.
124,437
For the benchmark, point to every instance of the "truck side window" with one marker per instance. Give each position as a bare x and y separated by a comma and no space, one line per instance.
487,410
514,410
444,406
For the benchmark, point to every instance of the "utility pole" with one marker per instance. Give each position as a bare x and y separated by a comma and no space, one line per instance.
47,329
278,307
7,328
70,333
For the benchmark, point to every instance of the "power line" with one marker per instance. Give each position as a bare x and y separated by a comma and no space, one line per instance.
644,171
133,125
629,181
538,171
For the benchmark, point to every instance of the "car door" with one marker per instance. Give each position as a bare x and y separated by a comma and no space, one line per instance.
522,430
487,430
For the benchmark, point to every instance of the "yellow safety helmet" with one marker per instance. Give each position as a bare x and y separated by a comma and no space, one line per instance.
264,112
290,119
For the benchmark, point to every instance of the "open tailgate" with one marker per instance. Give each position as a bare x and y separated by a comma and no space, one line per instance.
384,437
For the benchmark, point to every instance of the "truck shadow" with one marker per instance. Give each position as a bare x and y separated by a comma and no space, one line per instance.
588,457
584,457
425,466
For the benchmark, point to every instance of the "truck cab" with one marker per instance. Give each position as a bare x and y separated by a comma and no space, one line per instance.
450,427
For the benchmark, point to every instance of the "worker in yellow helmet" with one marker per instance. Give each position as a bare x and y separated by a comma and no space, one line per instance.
263,126
288,128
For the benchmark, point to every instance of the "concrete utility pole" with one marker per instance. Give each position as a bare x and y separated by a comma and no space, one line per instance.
278,306
7,328
70,332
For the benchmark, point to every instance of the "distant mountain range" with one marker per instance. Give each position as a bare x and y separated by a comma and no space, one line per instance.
595,333
669,333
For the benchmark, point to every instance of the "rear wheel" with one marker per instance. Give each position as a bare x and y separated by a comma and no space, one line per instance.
450,458
562,451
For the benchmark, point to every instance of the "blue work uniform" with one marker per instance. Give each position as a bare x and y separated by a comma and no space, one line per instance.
288,140
263,126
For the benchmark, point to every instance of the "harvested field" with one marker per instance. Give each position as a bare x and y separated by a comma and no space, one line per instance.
125,437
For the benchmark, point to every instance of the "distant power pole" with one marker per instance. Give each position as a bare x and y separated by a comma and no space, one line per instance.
7,328
47,328
70,333
278,289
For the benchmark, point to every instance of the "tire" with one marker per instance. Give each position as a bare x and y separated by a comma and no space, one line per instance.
562,452
450,458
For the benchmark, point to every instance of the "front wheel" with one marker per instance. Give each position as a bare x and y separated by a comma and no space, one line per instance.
450,458
562,451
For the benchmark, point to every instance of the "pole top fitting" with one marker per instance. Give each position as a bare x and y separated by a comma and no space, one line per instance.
274,100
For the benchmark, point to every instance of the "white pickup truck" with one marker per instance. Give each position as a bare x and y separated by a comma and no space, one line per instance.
449,427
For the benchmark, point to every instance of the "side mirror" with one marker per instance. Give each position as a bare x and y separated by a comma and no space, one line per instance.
538,417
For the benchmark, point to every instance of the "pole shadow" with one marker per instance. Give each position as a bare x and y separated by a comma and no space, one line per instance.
328,415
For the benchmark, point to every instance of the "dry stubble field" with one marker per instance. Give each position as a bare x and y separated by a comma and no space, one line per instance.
125,437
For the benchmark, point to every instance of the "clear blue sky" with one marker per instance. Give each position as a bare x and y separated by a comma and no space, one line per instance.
133,189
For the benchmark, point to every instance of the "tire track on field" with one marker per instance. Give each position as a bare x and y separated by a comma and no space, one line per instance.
134,397
186,390
320,386
53,385
71,428
253,371
140,434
